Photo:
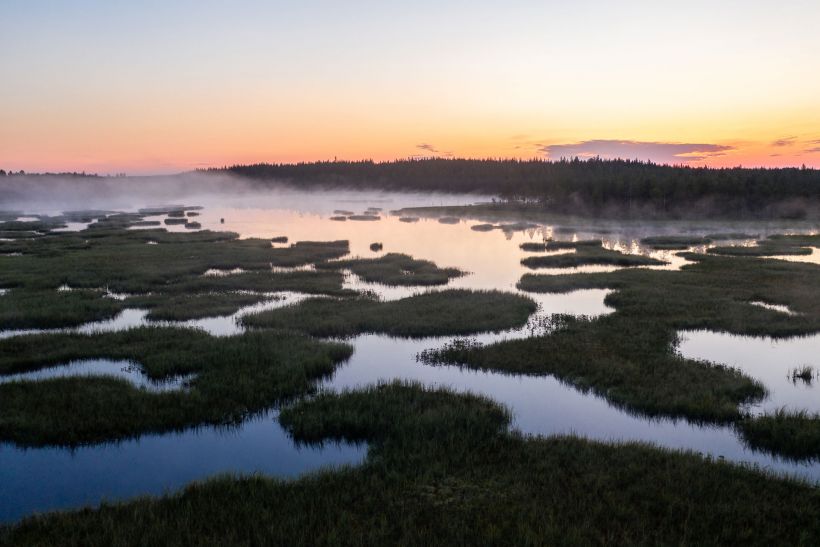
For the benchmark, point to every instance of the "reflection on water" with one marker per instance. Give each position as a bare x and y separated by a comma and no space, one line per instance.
125,370
772,361
42,479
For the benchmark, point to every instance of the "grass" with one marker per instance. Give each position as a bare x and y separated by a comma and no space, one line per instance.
629,363
451,312
589,255
182,307
442,470
235,377
714,293
553,245
27,309
675,242
804,373
776,245
795,435
120,259
396,269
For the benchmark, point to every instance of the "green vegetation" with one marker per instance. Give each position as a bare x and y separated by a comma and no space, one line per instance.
589,255
553,245
24,309
376,247
777,245
795,435
629,363
234,377
804,373
443,470
713,293
181,307
396,270
483,227
430,314
674,242
120,259
364,217
279,239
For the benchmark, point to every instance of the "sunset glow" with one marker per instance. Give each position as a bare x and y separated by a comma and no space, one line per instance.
159,87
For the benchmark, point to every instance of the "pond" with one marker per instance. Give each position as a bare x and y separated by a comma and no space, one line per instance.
36,480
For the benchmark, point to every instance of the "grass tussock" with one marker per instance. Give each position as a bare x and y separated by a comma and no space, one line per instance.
794,434
27,309
396,269
585,255
451,312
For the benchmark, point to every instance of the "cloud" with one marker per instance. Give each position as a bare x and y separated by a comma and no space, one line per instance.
785,141
658,152
814,150
432,150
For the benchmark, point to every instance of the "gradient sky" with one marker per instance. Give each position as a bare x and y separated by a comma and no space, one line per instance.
160,86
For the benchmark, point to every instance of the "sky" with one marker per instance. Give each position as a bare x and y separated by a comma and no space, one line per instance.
161,86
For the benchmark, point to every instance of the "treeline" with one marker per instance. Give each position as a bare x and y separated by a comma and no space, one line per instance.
21,173
593,186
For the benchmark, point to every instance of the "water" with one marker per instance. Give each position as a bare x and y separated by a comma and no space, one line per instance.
35,480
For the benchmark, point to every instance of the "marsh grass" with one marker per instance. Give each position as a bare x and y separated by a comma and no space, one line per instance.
775,245
588,255
443,470
449,312
235,376
804,373
182,307
629,363
794,434
395,269
25,309
714,293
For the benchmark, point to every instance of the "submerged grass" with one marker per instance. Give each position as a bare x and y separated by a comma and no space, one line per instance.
450,312
443,470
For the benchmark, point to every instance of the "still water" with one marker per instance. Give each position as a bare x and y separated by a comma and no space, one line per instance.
36,480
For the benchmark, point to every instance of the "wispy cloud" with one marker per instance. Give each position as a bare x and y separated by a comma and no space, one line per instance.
814,150
785,141
659,152
429,149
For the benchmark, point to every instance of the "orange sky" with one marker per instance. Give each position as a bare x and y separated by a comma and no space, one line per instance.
162,87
